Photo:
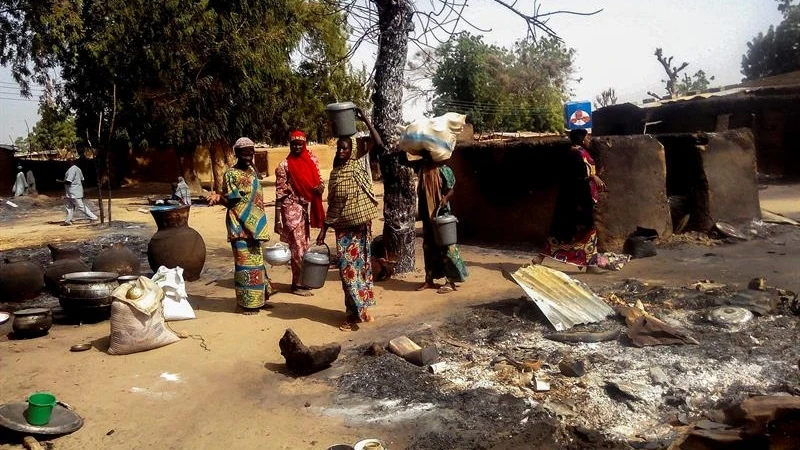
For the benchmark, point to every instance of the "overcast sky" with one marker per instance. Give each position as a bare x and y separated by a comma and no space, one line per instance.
614,48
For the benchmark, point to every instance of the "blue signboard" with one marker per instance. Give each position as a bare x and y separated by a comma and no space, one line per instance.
578,115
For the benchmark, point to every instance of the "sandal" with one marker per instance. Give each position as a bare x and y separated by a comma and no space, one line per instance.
347,326
446,289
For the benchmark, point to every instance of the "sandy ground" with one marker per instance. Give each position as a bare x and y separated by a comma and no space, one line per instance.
236,394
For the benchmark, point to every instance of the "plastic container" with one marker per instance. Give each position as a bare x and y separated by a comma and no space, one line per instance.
40,407
343,118
315,268
444,232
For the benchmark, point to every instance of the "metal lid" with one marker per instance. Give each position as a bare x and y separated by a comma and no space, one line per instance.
340,106
32,311
317,257
90,277
445,219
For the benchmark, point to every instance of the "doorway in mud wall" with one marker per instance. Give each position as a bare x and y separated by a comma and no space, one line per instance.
687,186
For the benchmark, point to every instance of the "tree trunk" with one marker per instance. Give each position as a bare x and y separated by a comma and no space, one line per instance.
400,193
186,166
218,150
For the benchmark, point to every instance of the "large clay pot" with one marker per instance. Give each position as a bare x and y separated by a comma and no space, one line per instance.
20,280
175,243
65,260
118,259
59,253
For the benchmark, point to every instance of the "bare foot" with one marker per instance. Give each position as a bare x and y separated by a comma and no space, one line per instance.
302,291
367,318
246,311
427,285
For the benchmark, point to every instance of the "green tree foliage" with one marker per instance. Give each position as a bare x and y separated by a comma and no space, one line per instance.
503,89
778,50
697,82
178,73
55,129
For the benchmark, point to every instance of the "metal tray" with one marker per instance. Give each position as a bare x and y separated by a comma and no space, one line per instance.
62,421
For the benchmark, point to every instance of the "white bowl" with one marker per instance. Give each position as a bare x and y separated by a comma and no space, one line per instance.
363,445
4,316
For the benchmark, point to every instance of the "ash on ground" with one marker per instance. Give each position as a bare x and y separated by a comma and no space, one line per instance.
629,397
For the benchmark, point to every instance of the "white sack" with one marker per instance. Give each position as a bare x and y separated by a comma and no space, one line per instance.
176,301
137,321
437,136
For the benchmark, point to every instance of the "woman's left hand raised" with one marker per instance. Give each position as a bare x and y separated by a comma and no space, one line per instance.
213,198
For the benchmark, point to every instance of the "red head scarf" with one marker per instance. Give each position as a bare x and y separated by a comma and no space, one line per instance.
304,176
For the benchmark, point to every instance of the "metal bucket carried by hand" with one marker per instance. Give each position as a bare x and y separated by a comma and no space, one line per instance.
315,267
444,229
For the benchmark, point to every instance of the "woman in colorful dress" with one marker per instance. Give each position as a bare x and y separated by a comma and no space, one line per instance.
298,186
573,236
351,207
246,222
436,183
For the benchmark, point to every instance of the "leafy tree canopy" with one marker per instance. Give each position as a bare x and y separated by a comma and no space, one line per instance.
522,88
183,72
778,50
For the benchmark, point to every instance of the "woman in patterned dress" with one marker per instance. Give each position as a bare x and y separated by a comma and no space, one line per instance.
351,207
246,222
298,186
573,235
436,183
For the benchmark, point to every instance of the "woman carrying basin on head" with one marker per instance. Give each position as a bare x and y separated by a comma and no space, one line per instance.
351,207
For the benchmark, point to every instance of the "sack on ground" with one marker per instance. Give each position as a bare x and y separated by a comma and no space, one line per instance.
176,301
437,136
137,320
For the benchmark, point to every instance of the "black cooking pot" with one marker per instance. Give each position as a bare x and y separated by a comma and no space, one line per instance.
87,293
32,322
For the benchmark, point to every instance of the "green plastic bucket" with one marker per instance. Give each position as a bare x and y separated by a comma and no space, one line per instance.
40,407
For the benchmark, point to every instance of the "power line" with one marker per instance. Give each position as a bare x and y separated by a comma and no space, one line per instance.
19,99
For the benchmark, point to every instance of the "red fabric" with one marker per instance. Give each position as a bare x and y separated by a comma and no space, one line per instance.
304,176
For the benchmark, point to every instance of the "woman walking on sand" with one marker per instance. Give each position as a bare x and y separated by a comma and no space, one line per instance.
436,183
246,222
351,207
298,186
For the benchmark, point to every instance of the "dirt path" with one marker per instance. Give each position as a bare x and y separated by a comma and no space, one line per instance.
235,393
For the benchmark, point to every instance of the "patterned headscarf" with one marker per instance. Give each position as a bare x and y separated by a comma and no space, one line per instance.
243,142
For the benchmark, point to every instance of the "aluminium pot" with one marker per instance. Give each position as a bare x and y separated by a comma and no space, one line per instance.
32,322
87,294
278,254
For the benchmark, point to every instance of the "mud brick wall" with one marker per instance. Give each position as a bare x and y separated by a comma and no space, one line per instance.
634,170
729,162
505,191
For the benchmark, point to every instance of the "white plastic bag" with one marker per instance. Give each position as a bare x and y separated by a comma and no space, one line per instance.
176,302
437,136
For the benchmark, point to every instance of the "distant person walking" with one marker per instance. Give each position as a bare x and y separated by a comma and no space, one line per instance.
73,185
298,187
20,185
31,183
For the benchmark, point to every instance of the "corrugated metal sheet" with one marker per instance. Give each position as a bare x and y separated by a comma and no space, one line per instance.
565,301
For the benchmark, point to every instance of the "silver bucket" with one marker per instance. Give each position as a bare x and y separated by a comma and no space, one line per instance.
445,230
315,268
342,117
